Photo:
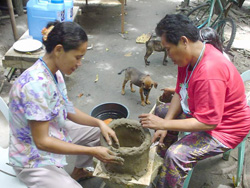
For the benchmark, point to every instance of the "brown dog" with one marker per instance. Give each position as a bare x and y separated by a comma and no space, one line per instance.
154,44
139,79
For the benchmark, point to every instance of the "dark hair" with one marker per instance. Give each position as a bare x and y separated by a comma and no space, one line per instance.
69,34
209,35
174,26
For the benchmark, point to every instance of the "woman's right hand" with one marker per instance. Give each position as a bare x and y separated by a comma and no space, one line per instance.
159,134
107,156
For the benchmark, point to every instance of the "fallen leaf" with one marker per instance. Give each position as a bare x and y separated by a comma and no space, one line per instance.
96,78
234,182
143,38
128,54
107,49
80,95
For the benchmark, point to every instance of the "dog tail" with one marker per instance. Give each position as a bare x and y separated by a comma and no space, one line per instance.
121,71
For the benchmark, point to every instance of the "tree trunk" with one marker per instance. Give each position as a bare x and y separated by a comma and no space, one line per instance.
18,7
25,2
240,3
185,3
217,7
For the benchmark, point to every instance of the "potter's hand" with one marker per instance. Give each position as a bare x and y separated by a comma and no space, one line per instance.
107,156
151,121
159,135
168,91
108,134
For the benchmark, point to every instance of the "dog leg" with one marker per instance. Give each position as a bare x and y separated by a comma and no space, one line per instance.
165,58
123,86
142,98
148,53
131,87
147,101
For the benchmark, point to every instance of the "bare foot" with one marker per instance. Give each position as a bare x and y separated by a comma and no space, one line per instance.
79,174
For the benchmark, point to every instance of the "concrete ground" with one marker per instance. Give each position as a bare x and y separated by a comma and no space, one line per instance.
113,52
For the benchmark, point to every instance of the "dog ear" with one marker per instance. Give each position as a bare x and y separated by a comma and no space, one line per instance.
155,84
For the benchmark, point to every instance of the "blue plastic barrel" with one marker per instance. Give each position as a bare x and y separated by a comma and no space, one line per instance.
40,12
68,10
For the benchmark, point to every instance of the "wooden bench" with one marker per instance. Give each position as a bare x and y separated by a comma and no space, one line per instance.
19,60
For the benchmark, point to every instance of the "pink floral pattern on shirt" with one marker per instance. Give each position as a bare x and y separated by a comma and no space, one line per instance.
35,96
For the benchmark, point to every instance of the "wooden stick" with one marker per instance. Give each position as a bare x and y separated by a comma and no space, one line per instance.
152,110
122,17
12,17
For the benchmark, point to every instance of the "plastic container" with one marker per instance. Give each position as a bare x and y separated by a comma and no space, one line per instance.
40,12
68,10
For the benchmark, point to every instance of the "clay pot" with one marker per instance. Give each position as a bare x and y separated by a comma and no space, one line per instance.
159,102
164,99
134,147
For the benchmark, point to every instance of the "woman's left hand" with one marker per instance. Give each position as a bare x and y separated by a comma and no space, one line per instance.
108,133
151,121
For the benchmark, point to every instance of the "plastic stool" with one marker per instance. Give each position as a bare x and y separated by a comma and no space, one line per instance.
7,173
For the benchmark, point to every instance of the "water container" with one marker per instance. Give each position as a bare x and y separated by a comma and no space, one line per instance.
68,10
40,12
